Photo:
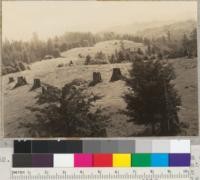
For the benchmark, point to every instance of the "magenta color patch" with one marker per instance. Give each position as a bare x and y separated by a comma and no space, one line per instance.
82,160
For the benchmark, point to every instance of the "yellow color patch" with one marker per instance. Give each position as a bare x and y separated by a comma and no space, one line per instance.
121,160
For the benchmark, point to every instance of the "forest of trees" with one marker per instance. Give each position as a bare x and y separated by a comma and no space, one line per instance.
173,48
15,53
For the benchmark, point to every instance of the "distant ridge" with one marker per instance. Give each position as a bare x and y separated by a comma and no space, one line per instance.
135,27
156,29
177,30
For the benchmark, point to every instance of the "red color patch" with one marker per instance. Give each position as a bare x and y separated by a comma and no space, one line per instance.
102,160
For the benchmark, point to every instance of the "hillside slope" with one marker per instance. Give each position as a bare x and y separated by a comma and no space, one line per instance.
17,100
135,27
107,47
177,30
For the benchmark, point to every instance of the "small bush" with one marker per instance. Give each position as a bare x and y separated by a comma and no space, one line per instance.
80,55
88,59
60,65
100,55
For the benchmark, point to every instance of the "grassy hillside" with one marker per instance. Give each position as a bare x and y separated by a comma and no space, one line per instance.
107,47
186,84
17,100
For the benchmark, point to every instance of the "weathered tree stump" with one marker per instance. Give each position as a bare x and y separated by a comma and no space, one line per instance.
96,78
116,75
11,79
36,84
21,81
71,63
44,90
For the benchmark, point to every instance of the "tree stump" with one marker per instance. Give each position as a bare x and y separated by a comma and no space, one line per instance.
96,78
21,81
116,75
11,79
70,63
44,90
36,84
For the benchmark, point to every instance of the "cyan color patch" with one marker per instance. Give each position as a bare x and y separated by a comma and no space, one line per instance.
159,160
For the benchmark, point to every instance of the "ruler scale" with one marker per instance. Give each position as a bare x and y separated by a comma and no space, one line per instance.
102,173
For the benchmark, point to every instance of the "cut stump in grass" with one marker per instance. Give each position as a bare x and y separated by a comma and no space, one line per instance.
21,81
11,79
96,79
36,84
44,90
71,63
116,75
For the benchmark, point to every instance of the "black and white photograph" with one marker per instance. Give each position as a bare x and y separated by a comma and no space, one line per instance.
99,69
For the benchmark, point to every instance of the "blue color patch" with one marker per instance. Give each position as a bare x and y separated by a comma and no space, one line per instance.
177,160
159,160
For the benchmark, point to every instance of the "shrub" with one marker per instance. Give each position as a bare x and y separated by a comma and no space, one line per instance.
100,55
87,59
80,55
60,65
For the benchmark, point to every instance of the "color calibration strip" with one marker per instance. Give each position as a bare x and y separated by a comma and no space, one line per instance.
102,153
101,160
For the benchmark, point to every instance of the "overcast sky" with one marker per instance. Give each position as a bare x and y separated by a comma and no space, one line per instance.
22,18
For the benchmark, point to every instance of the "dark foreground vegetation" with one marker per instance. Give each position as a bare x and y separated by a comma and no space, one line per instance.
152,99
67,112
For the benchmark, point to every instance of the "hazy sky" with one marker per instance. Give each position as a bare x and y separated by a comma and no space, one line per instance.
49,18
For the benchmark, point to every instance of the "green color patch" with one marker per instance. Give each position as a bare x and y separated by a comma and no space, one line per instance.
141,160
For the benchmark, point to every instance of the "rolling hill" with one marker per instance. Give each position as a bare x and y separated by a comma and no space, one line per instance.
17,100
157,29
48,66
107,47
135,27
177,30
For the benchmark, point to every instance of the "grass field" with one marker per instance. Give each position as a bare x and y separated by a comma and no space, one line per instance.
16,100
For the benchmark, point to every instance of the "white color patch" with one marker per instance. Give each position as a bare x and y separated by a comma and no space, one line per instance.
180,146
63,160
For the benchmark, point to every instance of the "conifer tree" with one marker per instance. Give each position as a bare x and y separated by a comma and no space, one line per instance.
152,98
